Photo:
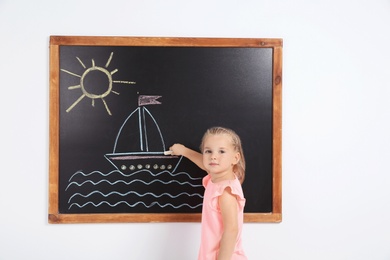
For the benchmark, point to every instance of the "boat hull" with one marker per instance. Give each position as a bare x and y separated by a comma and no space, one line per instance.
131,162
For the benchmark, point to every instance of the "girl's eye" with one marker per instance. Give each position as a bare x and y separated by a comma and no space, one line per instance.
207,151
221,151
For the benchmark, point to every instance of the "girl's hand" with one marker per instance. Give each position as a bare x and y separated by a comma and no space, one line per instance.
178,149
181,150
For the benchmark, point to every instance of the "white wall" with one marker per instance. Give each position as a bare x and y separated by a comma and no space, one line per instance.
336,145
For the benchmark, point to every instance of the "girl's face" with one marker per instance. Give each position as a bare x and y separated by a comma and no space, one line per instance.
219,156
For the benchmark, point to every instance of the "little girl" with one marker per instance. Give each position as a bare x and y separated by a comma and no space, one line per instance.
223,202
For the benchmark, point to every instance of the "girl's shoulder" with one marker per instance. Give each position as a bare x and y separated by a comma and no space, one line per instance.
216,189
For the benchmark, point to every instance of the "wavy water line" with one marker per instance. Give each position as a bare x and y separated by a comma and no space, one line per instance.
135,204
133,192
136,172
93,172
130,182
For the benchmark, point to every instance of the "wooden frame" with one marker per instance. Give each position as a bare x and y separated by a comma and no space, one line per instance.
54,215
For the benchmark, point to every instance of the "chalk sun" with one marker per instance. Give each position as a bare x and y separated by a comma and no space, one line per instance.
94,90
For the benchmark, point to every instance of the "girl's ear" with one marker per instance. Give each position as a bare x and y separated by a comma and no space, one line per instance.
237,157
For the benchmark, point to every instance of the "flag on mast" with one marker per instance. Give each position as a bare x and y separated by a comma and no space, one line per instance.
148,100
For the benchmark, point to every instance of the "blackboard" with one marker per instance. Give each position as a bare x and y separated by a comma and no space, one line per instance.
117,103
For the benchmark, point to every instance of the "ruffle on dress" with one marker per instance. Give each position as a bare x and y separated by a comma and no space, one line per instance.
235,187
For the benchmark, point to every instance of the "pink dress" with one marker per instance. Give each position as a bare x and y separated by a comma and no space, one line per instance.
212,226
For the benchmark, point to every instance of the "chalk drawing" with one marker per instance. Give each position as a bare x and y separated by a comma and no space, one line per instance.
91,91
143,176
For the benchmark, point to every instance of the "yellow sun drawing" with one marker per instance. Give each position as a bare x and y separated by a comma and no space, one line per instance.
95,92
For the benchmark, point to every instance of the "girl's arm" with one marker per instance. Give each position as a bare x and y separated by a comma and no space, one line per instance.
195,157
229,210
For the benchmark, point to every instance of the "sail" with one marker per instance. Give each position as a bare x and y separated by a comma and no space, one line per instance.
139,133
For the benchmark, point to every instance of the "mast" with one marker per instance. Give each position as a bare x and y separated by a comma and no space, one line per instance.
144,100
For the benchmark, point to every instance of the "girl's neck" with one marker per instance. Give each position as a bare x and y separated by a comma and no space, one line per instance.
218,178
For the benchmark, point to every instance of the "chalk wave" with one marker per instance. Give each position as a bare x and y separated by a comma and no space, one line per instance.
132,174
130,182
135,204
133,192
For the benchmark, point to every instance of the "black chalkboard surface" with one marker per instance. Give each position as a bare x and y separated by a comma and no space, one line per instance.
117,103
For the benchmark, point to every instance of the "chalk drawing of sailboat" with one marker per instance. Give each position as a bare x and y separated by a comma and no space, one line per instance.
139,144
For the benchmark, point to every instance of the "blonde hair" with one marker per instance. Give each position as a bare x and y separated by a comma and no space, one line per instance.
239,168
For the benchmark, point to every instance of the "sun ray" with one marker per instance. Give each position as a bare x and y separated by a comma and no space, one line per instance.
74,87
114,71
105,104
117,93
125,82
93,102
75,103
93,63
82,64
71,73
109,60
